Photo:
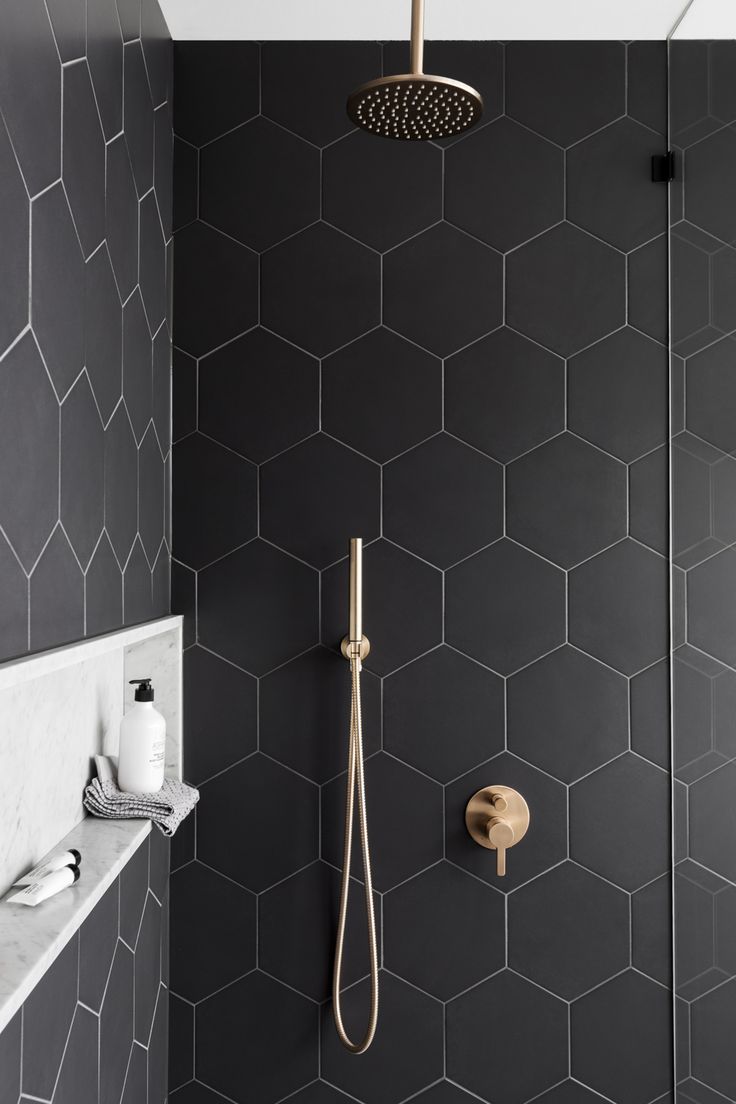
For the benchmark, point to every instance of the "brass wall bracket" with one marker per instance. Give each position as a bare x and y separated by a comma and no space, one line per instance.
352,649
497,817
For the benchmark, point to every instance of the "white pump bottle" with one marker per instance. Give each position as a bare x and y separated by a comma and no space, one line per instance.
142,752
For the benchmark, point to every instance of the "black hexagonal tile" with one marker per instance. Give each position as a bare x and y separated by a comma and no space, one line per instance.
621,1039
504,395
152,260
651,907
444,931
648,500
588,940
282,846
84,157
69,22
649,693
706,198
273,1017
47,1015
78,1073
443,714
138,118
213,931
609,188
406,1053
710,392
116,1026
617,394
357,200
82,470
569,1092
397,589
549,87
618,607
712,1054
137,587
634,794
217,88
444,1093
712,825
29,451
147,968
137,365
216,289
319,1093
690,292
318,114
184,599
14,600
136,1076
529,1027
32,109
443,289
316,496
14,233
723,277
505,607
320,289
103,333
443,500
259,209
298,922
185,184
214,500
504,184
711,624
647,294
567,714
56,595
103,591
545,843
105,60
121,484
157,50
57,293
394,793
163,167
566,500
162,388
381,394
183,394
565,289
217,696
311,696
121,216
150,494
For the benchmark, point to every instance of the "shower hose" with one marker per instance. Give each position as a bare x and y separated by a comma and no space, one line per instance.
355,785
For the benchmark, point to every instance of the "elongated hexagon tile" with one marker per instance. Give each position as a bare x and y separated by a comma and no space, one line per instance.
216,289
609,190
137,586
639,851
710,393
394,792
105,60
504,395
217,88
617,394
707,201
567,714
138,117
84,157
14,601
258,607
588,940
273,1017
82,470
621,1039
121,484
443,500
69,22
137,365
103,590
406,1053
504,184
14,232
443,289
29,451
311,695
444,931
157,51
566,70
259,208
258,395
315,496
543,846
209,524
529,1027
320,289
566,500
152,262
565,289
103,333
48,1014
505,606
397,588
618,607
381,394
357,200
151,492
443,714
121,216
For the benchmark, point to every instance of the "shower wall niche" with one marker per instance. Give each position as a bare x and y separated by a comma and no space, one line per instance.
459,352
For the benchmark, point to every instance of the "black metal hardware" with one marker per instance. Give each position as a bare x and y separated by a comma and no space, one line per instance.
663,167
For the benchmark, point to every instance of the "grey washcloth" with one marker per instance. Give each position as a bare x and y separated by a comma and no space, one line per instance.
166,808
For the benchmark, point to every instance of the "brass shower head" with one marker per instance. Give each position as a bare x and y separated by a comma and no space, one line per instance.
415,106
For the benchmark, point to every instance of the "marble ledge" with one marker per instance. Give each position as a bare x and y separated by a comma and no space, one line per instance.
31,938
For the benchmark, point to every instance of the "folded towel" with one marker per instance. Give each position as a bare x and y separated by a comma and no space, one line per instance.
166,808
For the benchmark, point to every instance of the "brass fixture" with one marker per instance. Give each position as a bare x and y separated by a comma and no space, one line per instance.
497,817
415,106
355,648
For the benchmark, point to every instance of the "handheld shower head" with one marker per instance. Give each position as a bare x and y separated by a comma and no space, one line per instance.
415,106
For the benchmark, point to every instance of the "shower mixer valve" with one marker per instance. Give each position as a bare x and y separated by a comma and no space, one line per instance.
497,817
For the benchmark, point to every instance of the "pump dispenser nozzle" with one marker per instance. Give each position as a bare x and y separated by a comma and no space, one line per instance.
144,690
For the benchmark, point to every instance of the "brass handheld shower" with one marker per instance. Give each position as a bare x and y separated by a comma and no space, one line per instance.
415,106
355,647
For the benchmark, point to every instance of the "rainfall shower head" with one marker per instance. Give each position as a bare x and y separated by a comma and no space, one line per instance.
415,106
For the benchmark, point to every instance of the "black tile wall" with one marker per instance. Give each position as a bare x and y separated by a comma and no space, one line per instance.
702,233
456,351
84,342
94,1029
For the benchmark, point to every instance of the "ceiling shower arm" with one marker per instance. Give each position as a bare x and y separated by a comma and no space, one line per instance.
417,36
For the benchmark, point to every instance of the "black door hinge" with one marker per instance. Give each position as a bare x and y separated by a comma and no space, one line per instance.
663,167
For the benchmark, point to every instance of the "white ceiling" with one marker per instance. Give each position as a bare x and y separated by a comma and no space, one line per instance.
445,19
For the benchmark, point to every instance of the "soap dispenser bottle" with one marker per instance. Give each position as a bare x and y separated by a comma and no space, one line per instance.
141,756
